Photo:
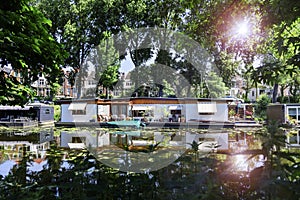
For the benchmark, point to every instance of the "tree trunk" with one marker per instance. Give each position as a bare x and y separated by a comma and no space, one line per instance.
106,93
275,93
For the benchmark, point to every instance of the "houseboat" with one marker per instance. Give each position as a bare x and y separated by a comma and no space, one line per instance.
153,111
30,115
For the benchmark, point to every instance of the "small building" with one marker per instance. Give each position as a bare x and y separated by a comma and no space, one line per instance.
29,115
284,113
43,113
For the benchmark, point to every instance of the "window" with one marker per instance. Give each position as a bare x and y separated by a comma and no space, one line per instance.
294,113
128,83
47,111
48,92
78,139
78,112
116,93
253,93
41,81
293,138
91,82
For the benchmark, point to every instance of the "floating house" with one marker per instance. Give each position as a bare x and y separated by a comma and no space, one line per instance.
145,109
284,113
30,115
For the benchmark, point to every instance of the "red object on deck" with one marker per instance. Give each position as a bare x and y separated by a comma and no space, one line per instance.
248,113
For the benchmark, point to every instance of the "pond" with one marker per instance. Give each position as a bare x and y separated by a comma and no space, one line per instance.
98,163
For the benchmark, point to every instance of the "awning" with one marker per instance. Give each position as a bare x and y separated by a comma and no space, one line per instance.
207,107
140,108
77,106
175,107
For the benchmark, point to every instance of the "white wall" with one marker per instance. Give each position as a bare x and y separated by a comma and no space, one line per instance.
66,115
159,111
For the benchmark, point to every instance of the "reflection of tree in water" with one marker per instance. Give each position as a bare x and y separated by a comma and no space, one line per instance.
88,178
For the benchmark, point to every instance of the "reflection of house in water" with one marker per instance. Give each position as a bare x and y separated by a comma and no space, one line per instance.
15,143
207,141
81,139
96,139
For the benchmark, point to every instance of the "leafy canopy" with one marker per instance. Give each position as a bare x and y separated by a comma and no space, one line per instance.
27,50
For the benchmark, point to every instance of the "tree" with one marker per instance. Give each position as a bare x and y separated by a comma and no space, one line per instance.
27,50
216,26
80,25
109,78
168,91
282,22
103,60
261,107
215,85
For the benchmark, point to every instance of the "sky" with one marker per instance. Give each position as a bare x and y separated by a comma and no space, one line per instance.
126,64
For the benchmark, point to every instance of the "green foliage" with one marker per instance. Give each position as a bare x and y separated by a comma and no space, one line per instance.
281,165
57,113
289,99
109,78
80,26
282,45
261,107
168,91
28,49
216,86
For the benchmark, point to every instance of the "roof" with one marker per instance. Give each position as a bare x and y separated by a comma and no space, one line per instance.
146,100
15,107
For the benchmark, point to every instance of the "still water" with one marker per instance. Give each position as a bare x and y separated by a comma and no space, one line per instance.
132,164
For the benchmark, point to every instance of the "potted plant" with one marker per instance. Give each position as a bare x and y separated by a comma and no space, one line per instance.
231,114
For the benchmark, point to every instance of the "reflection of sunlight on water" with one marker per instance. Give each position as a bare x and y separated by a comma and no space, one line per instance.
241,163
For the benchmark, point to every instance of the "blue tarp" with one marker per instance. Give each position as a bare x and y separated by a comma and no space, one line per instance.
129,133
126,123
